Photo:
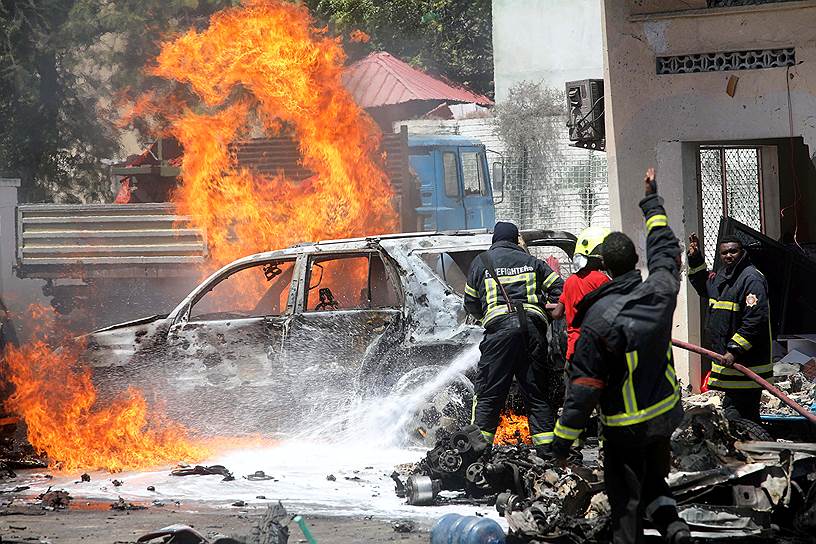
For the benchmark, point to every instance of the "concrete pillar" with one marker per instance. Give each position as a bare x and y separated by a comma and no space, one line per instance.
8,208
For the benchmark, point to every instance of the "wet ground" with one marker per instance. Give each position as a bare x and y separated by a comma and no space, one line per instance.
97,523
343,490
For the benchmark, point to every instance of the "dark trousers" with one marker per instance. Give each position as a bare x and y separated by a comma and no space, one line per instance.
506,352
742,403
635,477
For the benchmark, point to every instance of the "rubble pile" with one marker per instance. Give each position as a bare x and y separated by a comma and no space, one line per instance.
797,386
538,498
727,484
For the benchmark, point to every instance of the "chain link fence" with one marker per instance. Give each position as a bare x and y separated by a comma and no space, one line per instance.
565,190
730,186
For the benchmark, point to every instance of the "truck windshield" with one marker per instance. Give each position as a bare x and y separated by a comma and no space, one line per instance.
452,267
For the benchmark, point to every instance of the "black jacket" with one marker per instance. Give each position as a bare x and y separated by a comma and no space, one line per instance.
525,278
623,358
738,319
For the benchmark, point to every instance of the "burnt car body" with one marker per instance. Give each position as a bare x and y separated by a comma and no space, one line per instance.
288,336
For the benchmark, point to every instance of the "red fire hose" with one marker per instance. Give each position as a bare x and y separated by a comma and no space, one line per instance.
751,374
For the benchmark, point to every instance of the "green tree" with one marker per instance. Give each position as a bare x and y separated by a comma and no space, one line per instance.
451,38
62,65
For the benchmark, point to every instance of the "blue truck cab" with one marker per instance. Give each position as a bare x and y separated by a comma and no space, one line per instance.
455,192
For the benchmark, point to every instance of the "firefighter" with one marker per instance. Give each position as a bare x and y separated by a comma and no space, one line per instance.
623,361
737,325
507,289
588,276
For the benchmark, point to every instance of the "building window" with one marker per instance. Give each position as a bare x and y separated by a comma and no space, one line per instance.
730,185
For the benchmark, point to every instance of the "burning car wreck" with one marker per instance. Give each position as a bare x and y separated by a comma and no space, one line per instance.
335,319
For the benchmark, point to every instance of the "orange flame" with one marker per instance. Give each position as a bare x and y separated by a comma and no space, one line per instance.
513,429
54,394
262,68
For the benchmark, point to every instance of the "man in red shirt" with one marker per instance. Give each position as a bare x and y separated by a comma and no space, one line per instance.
588,277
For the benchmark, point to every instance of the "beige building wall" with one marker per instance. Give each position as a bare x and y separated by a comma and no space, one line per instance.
660,119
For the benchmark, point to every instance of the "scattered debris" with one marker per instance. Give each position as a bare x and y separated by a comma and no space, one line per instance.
400,487
117,483
258,475
123,505
331,478
271,528
727,484
177,533
54,500
199,470
404,526
15,489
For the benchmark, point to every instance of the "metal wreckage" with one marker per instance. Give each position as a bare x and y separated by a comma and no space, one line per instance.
728,484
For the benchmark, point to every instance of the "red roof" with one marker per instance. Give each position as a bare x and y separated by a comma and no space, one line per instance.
382,80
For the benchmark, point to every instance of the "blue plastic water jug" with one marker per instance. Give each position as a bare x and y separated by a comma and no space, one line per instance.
458,529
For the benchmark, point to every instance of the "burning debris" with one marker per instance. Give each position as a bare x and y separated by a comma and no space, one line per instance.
55,396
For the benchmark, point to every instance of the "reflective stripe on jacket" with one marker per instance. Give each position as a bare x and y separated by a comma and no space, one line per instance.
525,278
623,359
737,320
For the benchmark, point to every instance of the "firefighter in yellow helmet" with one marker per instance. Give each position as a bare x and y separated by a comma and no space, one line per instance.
588,276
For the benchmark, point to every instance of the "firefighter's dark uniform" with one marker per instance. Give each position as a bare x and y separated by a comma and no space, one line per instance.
508,349
738,321
623,360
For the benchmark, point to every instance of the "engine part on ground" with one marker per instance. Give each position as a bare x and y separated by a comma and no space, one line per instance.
443,412
421,490
507,503
450,458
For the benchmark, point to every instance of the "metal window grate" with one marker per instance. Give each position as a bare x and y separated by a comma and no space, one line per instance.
732,60
568,191
730,185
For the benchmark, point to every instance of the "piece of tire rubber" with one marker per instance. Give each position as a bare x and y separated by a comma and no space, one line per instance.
745,429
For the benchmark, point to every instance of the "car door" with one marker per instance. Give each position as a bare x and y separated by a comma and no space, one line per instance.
226,345
477,201
348,301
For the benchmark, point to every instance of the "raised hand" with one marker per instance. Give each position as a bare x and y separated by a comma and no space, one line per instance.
650,182
694,245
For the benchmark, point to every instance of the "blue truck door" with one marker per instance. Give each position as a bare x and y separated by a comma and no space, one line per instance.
450,211
478,198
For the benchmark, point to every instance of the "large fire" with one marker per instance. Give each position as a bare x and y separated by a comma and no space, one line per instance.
258,69
261,69
54,394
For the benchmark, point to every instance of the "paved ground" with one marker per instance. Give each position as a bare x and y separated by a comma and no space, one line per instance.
92,523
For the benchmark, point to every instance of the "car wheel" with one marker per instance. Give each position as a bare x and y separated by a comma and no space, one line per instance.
439,408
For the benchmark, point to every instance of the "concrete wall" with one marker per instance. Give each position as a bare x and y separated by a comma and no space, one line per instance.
658,119
549,41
